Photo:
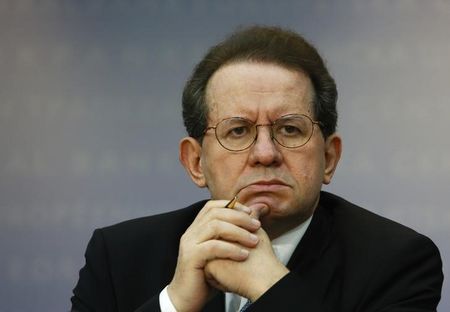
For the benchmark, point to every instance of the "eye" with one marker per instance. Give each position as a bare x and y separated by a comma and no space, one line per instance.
234,129
238,131
290,130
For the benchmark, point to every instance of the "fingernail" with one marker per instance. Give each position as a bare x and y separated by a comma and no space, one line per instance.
244,252
256,222
253,237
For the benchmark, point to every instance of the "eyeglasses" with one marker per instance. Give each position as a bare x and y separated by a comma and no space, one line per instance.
290,131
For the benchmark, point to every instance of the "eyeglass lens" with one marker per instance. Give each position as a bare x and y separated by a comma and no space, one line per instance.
239,133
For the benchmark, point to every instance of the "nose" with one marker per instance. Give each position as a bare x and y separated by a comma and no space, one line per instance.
265,150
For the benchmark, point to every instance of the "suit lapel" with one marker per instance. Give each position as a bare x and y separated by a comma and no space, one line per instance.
318,256
315,241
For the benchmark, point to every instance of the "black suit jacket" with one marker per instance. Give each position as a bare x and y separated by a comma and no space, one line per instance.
348,260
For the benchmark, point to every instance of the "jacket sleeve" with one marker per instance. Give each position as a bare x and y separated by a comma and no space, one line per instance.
95,290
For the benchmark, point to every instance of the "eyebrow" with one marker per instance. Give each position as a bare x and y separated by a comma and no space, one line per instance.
279,117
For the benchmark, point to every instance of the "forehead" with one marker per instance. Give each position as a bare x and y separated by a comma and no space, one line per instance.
254,88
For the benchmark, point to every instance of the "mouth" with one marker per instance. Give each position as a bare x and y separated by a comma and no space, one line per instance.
265,192
260,186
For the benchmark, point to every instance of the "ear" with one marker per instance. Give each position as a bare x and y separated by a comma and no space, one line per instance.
333,150
190,156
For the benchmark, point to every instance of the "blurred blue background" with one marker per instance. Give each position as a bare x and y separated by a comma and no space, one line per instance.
90,118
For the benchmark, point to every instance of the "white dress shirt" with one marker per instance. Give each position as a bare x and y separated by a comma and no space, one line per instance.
283,248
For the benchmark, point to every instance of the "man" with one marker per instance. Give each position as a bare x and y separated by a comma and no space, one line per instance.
260,111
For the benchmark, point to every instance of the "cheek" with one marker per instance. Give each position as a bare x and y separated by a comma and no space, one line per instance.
308,171
304,177
222,171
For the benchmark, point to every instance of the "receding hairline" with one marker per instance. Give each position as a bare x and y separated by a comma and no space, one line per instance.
294,69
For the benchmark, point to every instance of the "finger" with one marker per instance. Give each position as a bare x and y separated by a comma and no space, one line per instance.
232,216
213,204
230,204
241,207
219,249
209,276
219,229
258,210
213,210
213,283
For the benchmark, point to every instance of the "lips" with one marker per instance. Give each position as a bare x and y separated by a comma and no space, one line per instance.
263,192
266,186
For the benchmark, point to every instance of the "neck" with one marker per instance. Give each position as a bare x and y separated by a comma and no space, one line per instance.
277,228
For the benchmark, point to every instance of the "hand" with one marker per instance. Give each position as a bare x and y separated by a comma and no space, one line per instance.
216,233
249,278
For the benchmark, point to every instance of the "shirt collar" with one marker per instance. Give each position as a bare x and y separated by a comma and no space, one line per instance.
284,245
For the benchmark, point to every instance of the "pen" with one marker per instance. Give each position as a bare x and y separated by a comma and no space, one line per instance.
232,202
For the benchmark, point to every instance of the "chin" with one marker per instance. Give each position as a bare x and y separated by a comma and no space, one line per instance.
289,211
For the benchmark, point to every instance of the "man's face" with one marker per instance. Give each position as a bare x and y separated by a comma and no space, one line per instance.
286,182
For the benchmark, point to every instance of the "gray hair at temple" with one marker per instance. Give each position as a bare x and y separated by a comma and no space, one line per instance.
267,45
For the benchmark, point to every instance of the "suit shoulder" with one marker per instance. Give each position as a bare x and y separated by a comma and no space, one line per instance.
391,263
361,225
366,238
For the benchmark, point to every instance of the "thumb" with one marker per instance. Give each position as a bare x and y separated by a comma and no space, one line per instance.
258,210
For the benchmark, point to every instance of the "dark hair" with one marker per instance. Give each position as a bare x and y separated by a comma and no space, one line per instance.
261,44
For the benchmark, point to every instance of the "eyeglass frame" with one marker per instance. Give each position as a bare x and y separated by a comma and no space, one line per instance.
313,122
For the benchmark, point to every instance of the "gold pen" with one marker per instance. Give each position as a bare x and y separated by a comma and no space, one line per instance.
232,202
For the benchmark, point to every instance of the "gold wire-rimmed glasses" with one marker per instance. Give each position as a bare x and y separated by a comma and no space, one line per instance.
238,133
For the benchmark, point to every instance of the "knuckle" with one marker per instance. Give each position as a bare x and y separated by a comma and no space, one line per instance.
184,236
208,204
213,212
211,204
215,249
214,226
184,240
210,250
